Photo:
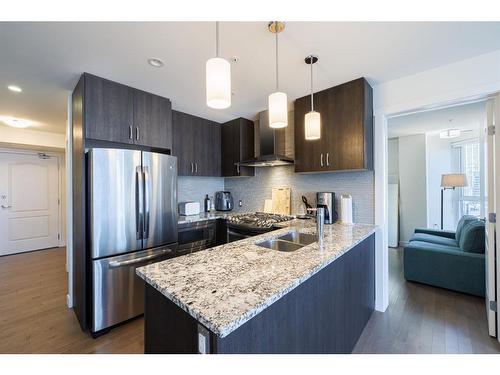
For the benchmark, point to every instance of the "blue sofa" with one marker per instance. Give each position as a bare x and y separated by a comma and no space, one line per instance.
447,259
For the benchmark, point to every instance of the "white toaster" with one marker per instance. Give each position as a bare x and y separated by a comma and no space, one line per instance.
189,208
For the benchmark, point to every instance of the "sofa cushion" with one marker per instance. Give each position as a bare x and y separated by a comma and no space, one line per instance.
434,247
464,220
425,237
472,237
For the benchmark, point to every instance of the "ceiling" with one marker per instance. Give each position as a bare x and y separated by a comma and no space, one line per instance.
463,117
46,59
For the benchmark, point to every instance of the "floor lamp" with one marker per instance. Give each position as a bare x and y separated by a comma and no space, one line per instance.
451,181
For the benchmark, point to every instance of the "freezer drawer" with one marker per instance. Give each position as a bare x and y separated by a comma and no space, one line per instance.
118,293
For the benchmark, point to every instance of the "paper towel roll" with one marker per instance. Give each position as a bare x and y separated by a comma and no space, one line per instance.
346,208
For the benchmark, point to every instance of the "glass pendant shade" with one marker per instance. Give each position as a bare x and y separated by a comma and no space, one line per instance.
218,75
312,125
278,110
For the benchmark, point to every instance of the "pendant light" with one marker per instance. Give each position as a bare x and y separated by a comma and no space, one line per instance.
277,102
312,119
218,78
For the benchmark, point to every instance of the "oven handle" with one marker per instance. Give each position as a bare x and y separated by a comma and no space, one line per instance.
116,264
239,234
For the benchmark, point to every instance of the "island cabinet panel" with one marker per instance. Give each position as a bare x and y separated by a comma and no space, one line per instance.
237,144
325,314
117,113
196,143
346,141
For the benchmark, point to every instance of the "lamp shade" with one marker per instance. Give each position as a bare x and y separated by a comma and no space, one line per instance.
218,76
312,123
453,180
278,110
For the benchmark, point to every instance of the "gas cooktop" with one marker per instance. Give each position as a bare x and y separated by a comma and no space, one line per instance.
258,219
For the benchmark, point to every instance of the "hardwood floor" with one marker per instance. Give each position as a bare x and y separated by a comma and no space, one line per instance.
424,319
420,319
33,313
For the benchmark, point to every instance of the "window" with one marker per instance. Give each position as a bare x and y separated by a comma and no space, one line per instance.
468,162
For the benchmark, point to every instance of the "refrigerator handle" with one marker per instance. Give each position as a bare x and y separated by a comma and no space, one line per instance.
139,203
147,195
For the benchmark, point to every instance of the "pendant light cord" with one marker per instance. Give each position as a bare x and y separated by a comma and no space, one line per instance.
312,96
277,79
217,39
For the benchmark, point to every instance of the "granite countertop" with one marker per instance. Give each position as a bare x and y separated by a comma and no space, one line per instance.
225,286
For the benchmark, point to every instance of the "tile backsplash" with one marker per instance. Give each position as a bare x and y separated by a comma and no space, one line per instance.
194,188
254,190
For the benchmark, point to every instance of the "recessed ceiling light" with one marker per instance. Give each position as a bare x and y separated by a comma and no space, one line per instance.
157,63
14,88
16,122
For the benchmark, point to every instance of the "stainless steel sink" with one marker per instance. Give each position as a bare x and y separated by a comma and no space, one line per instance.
280,245
300,238
289,242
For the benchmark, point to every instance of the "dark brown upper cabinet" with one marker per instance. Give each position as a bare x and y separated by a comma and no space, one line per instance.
346,141
121,114
237,144
196,143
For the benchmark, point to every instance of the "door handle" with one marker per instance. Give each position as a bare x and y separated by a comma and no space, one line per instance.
116,264
139,204
6,206
130,131
327,159
137,133
321,160
146,191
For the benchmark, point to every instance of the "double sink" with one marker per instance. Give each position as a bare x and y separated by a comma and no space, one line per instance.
288,242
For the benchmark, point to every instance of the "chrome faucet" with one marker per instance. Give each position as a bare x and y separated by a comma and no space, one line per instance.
320,223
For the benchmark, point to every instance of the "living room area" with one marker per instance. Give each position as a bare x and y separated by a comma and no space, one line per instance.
437,214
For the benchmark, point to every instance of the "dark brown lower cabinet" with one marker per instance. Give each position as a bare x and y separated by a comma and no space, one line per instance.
325,314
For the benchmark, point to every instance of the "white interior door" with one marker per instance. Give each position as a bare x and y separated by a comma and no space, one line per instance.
491,176
29,202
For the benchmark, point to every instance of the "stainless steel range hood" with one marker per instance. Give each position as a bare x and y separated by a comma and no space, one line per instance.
276,146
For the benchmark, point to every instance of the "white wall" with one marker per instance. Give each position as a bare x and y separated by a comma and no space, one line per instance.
412,178
393,159
32,137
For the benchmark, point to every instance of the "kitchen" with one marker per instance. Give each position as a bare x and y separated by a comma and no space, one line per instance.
136,177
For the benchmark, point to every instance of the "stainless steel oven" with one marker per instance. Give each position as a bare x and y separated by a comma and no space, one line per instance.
196,236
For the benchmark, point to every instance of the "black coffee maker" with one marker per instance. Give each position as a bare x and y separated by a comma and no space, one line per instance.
327,201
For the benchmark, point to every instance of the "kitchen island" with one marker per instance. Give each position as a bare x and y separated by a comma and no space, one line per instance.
244,298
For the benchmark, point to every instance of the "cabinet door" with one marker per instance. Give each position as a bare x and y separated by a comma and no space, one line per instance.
230,148
344,141
152,120
307,152
109,109
207,156
183,142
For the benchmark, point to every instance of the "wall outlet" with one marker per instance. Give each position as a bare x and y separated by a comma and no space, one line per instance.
240,203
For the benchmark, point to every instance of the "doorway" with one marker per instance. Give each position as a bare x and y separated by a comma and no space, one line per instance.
29,201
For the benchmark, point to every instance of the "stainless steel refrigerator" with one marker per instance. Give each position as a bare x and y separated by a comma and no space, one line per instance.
133,222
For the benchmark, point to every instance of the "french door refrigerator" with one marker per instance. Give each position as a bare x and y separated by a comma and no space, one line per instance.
133,222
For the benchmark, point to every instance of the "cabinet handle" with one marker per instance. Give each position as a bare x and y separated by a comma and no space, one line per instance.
192,168
327,159
137,133
321,160
195,167
238,169
130,135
